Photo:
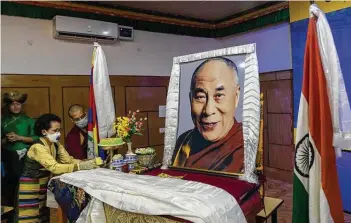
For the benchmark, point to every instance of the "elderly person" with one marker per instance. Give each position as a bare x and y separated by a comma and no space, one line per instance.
45,158
216,142
17,134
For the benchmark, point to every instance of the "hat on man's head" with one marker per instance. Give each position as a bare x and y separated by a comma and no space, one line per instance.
13,96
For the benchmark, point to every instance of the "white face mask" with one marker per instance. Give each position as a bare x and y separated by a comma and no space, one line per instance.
54,137
83,123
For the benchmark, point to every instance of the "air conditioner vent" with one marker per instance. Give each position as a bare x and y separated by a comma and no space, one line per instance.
83,36
70,28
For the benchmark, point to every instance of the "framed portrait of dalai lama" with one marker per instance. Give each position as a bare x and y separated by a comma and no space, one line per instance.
213,112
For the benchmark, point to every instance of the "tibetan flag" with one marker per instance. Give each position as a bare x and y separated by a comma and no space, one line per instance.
101,113
323,110
93,136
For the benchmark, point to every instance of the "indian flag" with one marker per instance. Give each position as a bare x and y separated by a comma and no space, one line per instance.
316,193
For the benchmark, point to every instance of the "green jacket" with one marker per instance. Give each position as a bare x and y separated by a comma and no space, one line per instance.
21,125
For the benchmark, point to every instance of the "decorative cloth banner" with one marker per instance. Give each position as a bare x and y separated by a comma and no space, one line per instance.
150,195
324,112
338,99
101,111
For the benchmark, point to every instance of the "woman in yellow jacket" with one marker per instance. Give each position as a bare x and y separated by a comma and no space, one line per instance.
45,158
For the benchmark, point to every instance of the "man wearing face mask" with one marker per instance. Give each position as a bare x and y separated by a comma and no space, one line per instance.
45,158
77,138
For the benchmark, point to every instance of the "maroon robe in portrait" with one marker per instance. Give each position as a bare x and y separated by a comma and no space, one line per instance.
75,146
227,154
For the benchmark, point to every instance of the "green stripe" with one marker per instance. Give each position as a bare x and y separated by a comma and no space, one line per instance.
40,12
300,202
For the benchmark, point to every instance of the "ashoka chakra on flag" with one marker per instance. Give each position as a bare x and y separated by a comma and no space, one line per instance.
304,156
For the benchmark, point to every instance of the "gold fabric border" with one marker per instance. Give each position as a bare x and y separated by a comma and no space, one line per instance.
114,215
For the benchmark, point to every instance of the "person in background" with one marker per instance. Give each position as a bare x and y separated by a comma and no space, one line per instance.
16,128
77,138
17,134
45,158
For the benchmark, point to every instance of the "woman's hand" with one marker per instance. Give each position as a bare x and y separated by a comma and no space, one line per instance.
90,164
87,165
13,137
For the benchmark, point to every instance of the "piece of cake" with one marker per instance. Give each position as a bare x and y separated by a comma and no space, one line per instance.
111,141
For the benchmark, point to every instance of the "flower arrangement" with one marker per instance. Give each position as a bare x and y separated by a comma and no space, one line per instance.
127,126
145,151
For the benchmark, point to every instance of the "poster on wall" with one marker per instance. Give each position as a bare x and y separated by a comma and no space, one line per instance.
211,112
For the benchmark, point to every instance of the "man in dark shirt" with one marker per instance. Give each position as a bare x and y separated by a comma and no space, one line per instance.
77,138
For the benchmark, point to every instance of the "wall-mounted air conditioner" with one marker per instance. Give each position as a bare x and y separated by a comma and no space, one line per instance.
70,28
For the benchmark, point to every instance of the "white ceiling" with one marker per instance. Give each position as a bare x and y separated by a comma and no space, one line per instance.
207,10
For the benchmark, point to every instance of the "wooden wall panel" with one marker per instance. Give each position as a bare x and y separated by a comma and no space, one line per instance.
38,101
145,98
284,75
159,153
278,124
155,123
268,77
279,97
280,133
55,93
281,156
279,174
120,97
